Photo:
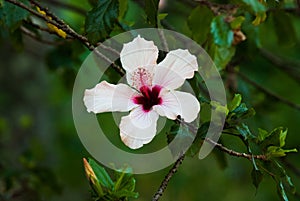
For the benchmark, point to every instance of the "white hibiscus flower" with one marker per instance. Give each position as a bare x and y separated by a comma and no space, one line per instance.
151,91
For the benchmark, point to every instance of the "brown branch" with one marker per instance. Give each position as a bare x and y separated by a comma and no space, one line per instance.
269,93
63,26
36,26
167,178
234,153
41,40
218,8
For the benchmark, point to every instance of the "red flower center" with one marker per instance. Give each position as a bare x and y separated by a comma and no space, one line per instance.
149,97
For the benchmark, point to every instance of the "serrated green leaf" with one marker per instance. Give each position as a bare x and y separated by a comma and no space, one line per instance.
199,23
236,101
11,15
257,177
221,32
101,20
151,9
101,174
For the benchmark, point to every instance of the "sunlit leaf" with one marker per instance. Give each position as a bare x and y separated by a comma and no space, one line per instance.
236,101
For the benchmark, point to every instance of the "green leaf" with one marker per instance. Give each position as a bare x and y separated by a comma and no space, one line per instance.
199,23
221,32
257,177
236,101
237,22
275,138
221,55
123,5
11,15
151,9
279,174
255,6
101,20
218,107
125,193
258,9
262,134
274,151
197,143
125,184
101,174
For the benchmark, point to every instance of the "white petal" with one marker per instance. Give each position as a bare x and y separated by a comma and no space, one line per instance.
176,103
137,130
178,66
139,53
106,97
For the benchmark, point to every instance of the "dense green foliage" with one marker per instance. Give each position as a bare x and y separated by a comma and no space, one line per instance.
254,45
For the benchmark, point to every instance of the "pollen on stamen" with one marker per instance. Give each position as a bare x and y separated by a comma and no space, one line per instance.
141,77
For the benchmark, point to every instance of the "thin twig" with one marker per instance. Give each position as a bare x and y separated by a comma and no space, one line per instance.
269,93
218,8
63,26
234,153
41,40
44,29
167,178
